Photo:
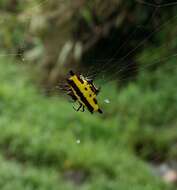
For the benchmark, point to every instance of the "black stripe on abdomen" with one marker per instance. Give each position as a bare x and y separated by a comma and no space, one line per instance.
79,93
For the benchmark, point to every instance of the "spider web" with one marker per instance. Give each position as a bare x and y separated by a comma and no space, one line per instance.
111,64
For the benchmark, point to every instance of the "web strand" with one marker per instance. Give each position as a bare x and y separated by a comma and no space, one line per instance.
156,5
143,67
120,48
134,49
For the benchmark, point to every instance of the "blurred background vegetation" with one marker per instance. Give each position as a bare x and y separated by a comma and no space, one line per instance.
129,48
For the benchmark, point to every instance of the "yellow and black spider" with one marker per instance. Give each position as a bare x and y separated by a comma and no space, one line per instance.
83,91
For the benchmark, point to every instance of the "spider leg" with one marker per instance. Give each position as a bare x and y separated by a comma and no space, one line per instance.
83,109
74,108
63,87
98,90
71,94
78,107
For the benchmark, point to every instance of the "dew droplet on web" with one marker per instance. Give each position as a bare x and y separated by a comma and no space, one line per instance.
78,141
107,101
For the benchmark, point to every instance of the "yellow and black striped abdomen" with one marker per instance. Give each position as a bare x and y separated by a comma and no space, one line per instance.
84,93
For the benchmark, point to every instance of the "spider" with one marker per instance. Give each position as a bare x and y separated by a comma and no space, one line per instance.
83,91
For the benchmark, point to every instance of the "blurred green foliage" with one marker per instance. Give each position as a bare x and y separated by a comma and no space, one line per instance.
40,134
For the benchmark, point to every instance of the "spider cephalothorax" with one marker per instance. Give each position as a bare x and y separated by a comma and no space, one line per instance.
83,91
